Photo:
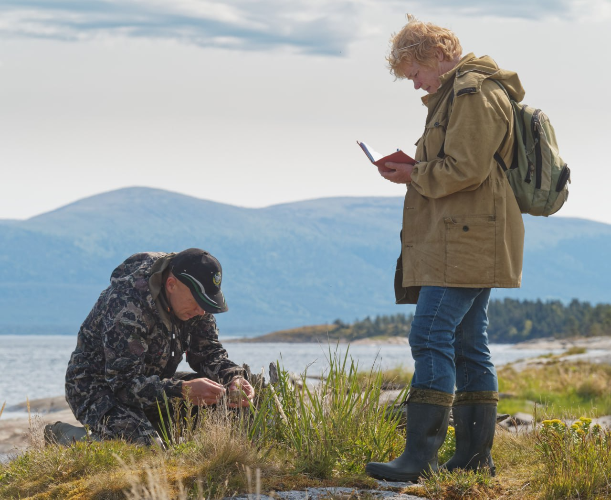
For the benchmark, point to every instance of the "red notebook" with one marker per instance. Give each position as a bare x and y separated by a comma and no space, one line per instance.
379,160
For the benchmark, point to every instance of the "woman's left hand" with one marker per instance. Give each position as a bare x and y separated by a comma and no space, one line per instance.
399,173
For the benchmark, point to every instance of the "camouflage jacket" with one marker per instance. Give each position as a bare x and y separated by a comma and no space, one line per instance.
130,346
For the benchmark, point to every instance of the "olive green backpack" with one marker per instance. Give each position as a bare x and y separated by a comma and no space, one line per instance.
538,176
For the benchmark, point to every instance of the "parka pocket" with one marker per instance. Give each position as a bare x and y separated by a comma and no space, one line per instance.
470,249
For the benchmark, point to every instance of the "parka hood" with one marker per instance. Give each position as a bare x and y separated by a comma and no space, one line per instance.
485,67
143,273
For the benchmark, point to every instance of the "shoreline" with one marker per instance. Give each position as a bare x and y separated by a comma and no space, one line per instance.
601,343
549,343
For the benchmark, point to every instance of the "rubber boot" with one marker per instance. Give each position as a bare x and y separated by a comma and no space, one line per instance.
65,434
474,423
426,428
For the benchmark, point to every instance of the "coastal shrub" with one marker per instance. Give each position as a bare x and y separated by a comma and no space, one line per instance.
576,459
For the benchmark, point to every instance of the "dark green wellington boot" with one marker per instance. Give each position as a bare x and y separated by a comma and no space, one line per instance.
428,413
474,423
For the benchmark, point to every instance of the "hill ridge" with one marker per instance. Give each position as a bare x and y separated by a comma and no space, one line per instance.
286,265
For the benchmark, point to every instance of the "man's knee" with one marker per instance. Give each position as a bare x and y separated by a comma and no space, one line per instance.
130,424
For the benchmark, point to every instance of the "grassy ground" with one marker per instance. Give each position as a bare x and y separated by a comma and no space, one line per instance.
323,437
584,388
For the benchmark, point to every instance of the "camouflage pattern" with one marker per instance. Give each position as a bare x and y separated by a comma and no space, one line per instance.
129,348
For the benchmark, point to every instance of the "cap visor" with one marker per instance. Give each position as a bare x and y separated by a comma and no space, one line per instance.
211,308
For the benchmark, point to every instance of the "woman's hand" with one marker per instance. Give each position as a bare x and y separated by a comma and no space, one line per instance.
399,173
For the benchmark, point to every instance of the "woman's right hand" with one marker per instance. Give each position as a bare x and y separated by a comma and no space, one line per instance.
399,173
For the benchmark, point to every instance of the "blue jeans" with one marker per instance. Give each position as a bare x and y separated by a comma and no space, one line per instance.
449,341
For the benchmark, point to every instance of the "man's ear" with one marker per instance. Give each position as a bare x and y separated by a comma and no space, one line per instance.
170,283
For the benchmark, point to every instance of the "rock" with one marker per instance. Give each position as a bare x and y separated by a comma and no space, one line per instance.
273,374
335,492
520,422
396,485
41,406
522,419
296,380
604,421
390,397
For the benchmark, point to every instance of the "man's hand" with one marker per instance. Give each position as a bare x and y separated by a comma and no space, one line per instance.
202,391
243,390
400,173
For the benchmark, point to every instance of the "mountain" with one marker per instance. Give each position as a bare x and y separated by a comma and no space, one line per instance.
284,266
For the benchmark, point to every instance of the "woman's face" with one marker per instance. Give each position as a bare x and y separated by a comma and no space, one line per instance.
424,77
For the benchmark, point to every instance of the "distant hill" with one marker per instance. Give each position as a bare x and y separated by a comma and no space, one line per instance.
285,266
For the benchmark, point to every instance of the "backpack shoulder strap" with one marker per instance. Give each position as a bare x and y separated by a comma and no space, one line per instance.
442,152
497,156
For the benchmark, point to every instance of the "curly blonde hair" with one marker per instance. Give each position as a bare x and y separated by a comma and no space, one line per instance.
418,41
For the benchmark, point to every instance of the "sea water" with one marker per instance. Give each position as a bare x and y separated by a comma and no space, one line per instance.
34,366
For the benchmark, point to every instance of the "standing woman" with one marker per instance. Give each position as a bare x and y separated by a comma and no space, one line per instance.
462,235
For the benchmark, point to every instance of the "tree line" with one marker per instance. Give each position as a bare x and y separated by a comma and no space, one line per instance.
510,321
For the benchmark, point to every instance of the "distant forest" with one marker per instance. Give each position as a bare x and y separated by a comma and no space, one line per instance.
510,321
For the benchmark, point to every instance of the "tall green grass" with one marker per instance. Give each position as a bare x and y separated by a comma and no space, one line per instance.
333,428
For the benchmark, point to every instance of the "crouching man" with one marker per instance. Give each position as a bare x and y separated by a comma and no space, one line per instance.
158,307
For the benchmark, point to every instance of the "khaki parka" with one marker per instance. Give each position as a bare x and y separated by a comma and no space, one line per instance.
461,223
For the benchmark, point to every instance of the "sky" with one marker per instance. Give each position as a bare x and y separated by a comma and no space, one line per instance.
260,102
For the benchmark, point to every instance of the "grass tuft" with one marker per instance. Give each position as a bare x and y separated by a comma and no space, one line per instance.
582,386
574,350
334,428
460,485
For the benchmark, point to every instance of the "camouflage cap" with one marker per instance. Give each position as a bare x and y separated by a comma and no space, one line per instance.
202,273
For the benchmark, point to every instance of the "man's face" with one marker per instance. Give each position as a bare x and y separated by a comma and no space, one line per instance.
181,300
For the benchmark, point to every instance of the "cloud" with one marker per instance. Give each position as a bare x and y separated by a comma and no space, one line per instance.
325,27
309,26
522,9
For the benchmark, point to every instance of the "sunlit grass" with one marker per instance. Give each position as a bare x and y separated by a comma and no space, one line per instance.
580,385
